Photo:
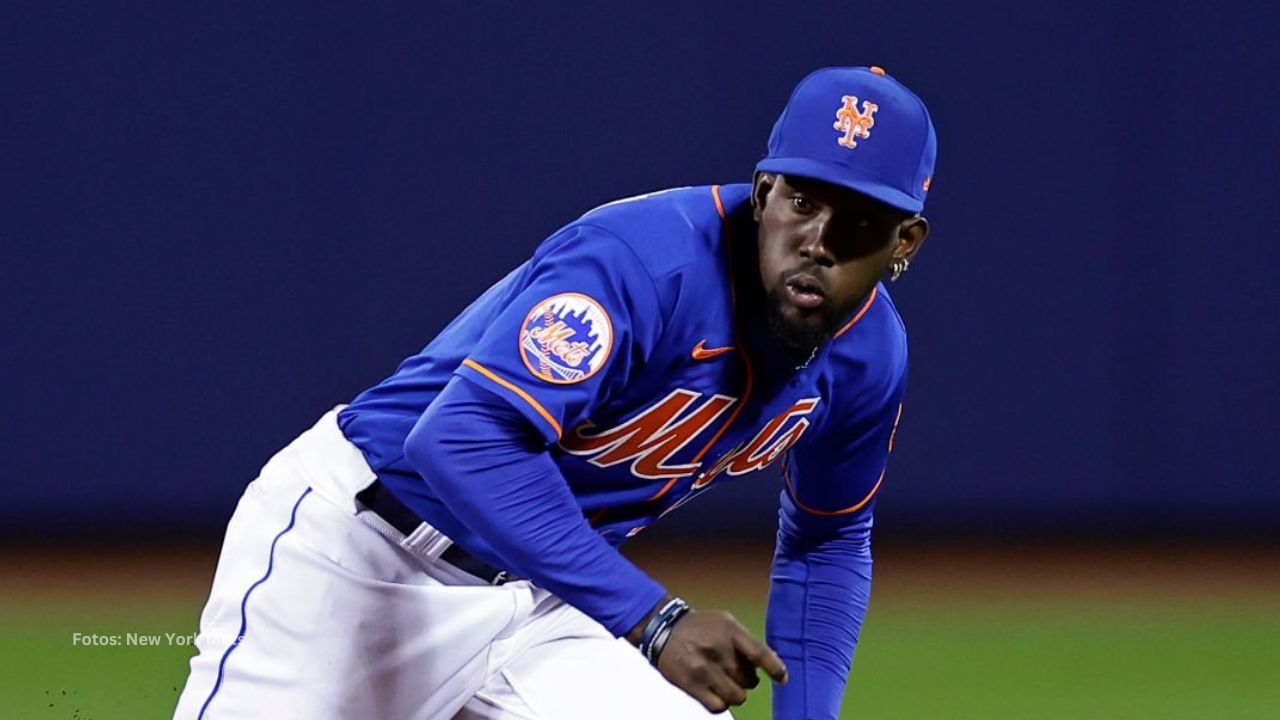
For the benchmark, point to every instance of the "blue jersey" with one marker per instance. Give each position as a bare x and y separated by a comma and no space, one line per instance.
622,341
618,341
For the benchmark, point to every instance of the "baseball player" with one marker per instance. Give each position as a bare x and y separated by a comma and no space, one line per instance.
445,546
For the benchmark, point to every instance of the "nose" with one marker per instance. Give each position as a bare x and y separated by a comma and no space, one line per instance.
815,245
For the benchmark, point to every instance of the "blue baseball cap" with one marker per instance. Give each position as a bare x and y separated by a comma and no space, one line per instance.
860,129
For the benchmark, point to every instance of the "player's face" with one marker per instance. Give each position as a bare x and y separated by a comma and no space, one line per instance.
822,250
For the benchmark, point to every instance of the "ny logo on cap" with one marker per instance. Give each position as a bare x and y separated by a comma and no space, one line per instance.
853,123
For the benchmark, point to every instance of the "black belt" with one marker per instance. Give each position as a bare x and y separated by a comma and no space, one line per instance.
379,499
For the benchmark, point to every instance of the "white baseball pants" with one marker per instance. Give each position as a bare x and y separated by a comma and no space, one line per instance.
319,609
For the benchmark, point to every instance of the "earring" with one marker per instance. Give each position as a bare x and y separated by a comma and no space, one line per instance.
898,267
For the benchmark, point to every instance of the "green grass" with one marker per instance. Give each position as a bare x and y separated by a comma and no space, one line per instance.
987,662
45,674
1062,662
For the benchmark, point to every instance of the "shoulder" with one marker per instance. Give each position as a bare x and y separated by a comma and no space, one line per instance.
874,336
868,358
669,230
671,240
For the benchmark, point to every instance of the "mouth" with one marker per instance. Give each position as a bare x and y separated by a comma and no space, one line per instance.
805,291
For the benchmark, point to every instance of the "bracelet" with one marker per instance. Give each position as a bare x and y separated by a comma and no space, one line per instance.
658,631
651,628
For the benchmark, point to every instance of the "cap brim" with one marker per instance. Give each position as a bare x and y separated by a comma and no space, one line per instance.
844,176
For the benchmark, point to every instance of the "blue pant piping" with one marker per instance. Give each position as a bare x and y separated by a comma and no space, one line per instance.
271,559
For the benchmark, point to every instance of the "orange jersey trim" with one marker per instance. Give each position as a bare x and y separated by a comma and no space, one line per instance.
513,388
791,490
733,304
715,195
737,345
894,433
865,307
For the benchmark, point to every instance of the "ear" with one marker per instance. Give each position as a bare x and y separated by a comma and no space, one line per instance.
762,184
911,235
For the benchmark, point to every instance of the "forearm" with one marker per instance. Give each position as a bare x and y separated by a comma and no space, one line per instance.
818,599
479,456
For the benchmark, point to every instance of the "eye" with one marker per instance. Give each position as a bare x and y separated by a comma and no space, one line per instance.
801,203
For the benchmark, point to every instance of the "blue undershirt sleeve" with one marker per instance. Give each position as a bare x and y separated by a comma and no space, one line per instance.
819,589
474,448
821,579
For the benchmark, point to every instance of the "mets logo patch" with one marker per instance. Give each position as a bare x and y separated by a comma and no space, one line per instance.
566,338
853,124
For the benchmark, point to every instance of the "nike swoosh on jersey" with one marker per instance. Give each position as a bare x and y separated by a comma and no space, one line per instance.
704,353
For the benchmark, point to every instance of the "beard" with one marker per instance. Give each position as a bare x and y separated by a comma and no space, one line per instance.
800,337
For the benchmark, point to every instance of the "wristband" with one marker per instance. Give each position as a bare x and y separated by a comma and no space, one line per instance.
659,628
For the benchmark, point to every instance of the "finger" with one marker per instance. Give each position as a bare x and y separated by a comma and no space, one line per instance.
744,672
727,688
709,699
762,655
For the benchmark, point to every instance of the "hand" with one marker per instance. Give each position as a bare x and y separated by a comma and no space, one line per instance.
711,656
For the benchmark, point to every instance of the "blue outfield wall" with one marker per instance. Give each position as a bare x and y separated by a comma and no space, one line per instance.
219,222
